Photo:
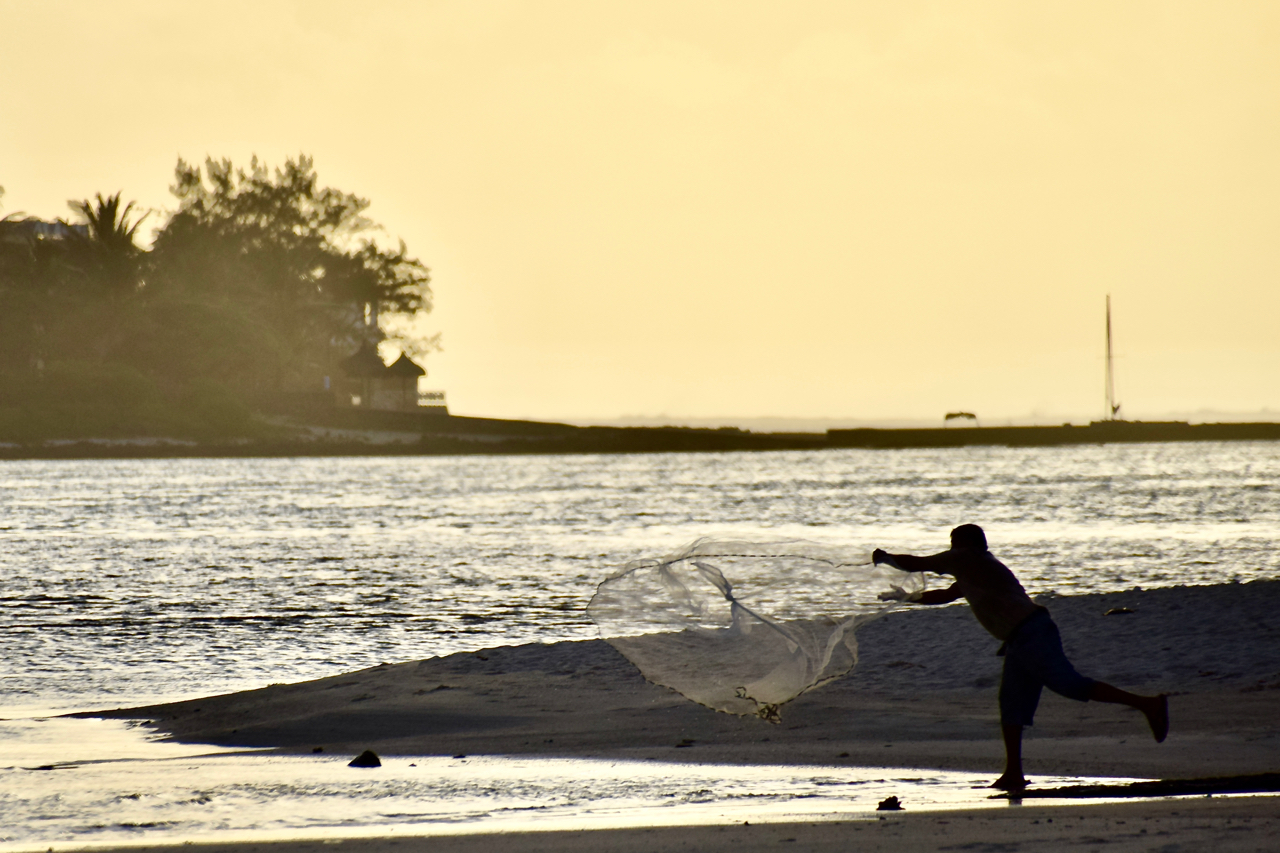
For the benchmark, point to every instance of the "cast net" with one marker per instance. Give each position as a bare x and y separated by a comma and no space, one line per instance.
745,626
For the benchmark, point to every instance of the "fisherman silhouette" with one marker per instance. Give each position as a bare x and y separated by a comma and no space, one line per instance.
1032,647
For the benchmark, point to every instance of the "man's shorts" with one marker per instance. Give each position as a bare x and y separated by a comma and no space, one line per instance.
1033,660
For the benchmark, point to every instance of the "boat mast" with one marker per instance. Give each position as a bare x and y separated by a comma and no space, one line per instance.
1112,406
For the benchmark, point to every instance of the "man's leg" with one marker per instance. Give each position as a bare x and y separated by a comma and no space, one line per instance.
1012,778
1019,696
1154,708
1061,677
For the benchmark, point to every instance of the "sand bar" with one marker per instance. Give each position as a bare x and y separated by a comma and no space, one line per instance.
922,696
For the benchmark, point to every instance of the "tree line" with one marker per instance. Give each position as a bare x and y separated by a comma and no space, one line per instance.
256,284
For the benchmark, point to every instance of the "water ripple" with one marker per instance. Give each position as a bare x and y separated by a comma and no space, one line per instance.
136,579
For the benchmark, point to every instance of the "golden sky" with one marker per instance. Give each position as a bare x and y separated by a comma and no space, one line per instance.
867,211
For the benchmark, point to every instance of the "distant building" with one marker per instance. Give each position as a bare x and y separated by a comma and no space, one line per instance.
398,388
369,384
33,228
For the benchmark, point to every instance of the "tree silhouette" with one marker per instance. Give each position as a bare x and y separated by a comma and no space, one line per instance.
288,267
109,225
109,250
257,285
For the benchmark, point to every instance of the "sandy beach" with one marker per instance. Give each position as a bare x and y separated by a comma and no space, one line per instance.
922,696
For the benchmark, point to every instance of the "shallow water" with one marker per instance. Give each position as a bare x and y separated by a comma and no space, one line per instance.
127,790
131,581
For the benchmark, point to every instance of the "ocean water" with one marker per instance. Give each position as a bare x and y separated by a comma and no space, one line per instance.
128,582
124,582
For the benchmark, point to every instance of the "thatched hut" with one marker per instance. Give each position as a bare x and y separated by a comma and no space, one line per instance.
368,383
398,387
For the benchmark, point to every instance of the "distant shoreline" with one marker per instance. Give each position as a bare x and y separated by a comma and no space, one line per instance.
408,434
413,434
1099,432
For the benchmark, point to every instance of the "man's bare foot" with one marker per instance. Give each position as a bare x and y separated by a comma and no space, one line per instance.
1010,783
1157,712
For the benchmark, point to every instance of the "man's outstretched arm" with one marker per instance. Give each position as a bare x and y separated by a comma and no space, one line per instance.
939,564
910,563
929,596
939,596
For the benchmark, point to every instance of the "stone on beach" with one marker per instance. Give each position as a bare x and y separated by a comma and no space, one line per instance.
368,758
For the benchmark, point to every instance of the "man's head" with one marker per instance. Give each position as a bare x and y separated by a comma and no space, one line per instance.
969,536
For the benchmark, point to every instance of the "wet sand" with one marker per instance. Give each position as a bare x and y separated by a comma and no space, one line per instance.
1221,825
922,696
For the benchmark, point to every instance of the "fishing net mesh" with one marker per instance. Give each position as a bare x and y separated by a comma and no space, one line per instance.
744,626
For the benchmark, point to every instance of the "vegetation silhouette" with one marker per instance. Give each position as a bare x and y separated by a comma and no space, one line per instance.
106,248
255,287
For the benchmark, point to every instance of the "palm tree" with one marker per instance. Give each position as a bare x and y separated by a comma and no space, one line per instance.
111,240
109,226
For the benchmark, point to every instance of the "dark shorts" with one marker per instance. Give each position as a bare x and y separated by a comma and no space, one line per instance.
1033,660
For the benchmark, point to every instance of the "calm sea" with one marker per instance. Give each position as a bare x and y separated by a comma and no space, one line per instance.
123,582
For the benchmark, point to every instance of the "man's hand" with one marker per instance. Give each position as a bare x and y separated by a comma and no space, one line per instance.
882,557
897,593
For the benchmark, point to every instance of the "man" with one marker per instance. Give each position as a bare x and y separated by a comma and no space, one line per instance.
1032,650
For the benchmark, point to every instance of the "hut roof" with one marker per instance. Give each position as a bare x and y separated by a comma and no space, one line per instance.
365,363
405,366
